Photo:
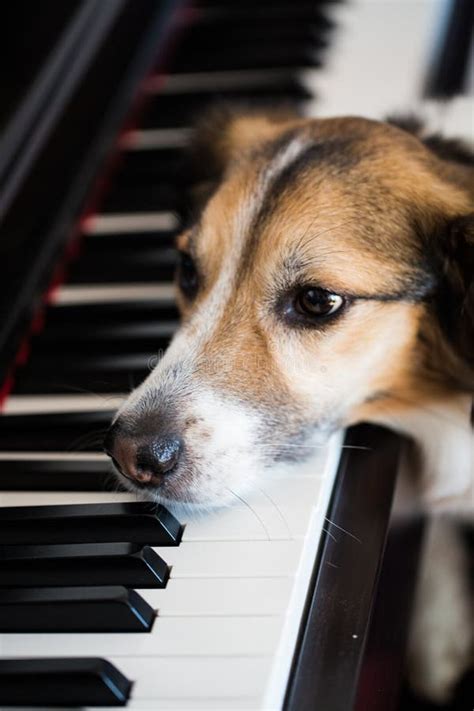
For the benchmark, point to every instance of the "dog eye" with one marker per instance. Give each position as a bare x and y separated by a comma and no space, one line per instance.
187,275
317,303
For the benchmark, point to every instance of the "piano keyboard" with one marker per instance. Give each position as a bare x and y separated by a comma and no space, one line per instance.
223,622
211,615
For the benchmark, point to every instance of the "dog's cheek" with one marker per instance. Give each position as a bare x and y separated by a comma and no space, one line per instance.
337,369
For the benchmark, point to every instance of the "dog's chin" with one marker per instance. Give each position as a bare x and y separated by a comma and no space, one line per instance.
227,481
180,496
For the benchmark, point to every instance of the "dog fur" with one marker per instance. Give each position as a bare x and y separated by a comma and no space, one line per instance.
362,209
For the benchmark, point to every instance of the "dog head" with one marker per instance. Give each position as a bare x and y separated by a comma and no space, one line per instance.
325,280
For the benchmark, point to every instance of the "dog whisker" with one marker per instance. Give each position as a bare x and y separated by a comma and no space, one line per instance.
344,530
252,510
280,512
314,446
328,533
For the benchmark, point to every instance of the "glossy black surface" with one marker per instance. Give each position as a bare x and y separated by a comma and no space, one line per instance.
67,432
86,373
451,63
57,475
127,564
118,44
62,682
29,47
106,338
67,318
124,265
78,609
334,629
135,522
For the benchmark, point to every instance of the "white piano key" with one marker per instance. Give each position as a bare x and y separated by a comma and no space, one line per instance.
238,523
31,404
193,704
167,704
213,80
220,596
98,223
155,138
454,118
61,498
349,83
104,293
170,637
232,559
194,677
280,509
54,456
192,683
283,655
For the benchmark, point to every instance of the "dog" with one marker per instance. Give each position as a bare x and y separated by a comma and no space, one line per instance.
325,279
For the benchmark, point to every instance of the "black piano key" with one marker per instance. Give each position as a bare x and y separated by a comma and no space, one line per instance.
150,167
135,522
203,33
263,14
54,363
36,566
261,56
72,316
97,374
116,338
103,346
78,609
63,432
182,109
145,197
449,67
57,475
77,681
118,241
267,9
133,265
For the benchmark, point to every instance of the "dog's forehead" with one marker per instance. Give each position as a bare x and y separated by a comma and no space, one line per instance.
322,195
350,161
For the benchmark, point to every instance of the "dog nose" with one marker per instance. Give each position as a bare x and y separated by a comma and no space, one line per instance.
144,461
159,456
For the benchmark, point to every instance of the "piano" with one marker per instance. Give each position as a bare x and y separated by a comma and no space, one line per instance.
106,600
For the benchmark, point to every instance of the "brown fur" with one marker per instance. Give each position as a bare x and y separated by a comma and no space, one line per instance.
394,232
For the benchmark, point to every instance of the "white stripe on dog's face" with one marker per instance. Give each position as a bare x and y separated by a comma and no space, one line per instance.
246,205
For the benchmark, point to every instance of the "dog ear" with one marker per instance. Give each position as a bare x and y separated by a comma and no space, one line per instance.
222,135
454,297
